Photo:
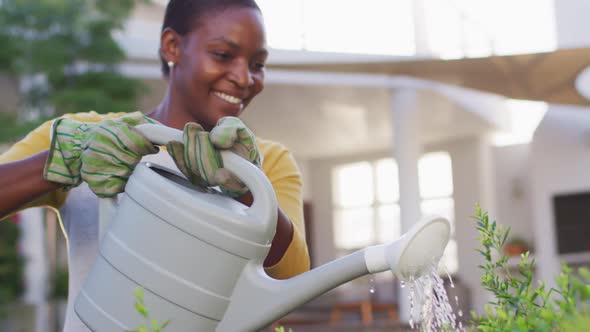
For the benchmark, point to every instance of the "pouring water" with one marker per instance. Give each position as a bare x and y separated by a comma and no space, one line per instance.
435,313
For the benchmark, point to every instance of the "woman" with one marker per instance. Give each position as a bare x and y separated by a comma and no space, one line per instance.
213,54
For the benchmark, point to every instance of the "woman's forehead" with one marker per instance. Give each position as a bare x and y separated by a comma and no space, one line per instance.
242,27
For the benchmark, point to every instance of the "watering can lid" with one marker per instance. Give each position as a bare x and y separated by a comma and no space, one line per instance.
208,215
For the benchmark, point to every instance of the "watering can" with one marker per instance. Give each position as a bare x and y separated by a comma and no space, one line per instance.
199,255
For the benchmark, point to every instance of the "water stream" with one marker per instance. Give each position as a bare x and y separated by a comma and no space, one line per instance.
435,312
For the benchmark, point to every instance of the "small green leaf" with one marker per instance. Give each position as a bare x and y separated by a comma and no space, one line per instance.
139,294
142,310
154,325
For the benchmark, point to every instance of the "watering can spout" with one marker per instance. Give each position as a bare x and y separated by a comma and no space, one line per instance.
258,300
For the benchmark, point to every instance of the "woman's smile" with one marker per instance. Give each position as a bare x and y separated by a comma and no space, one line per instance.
228,98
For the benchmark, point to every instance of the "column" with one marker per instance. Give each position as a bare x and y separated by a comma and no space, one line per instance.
36,267
407,150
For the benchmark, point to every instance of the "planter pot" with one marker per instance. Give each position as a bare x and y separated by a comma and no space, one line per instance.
515,249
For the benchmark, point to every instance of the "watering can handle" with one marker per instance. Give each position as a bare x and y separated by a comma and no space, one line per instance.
264,207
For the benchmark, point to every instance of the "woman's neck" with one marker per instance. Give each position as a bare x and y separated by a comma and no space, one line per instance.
170,114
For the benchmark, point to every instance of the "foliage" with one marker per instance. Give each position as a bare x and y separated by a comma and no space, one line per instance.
282,329
579,322
60,284
11,263
12,129
518,305
65,54
152,324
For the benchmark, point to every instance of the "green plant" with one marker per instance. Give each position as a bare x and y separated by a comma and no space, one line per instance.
282,329
13,129
11,263
60,284
518,305
65,58
152,324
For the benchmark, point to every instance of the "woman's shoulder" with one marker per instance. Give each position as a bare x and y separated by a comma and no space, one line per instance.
275,155
270,147
93,116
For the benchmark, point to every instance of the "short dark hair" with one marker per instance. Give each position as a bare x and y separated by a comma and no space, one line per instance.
183,16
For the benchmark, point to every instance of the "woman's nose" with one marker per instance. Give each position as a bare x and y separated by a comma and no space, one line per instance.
240,75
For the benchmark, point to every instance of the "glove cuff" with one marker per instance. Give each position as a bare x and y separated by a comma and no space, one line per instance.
63,162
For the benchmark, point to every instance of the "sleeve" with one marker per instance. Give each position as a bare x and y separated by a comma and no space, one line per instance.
36,141
282,171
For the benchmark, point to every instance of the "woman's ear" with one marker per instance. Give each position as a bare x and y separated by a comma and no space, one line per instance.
170,46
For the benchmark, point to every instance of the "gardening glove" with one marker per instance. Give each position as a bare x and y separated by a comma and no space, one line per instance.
231,133
195,157
102,154
199,159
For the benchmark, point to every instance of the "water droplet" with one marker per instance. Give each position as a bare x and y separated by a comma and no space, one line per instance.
449,276
372,285
460,313
402,284
411,323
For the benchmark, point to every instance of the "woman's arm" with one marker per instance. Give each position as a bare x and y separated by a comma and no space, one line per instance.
283,235
22,181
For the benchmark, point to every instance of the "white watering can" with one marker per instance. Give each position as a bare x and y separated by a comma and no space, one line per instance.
198,255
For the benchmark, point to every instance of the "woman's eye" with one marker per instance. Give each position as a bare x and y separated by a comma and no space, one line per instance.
222,55
259,65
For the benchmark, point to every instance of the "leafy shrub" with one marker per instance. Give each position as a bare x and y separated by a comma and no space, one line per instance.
518,305
11,263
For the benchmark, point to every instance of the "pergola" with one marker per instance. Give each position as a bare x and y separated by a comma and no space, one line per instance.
548,77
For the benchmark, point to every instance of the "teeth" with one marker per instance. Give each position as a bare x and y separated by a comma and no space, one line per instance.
228,98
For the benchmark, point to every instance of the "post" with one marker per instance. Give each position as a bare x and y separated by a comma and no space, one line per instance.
407,150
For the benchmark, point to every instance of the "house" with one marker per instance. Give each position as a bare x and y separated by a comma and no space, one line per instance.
382,140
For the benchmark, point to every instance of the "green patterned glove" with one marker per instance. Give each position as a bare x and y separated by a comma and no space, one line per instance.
196,157
231,133
199,160
102,154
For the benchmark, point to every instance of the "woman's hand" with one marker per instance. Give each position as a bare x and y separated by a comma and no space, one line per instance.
102,154
198,156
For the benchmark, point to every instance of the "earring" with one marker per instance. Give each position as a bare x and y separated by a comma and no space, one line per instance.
170,64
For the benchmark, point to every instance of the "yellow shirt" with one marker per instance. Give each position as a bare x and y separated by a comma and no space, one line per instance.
278,165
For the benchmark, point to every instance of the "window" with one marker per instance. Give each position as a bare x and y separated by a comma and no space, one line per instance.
435,173
366,201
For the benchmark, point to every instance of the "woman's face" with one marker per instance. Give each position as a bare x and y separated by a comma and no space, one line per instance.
221,66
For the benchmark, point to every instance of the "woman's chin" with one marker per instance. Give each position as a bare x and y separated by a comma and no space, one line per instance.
234,110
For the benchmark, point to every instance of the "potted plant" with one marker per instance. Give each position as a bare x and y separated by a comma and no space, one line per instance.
515,246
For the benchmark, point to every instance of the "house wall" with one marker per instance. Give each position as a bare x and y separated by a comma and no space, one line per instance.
512,176
560,156
473,167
